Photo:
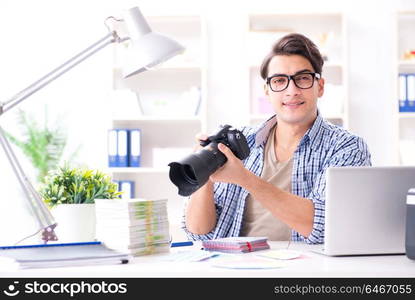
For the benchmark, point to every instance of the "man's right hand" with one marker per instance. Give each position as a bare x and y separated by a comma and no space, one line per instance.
201,210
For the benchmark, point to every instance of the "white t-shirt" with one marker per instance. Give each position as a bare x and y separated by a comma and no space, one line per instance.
257,220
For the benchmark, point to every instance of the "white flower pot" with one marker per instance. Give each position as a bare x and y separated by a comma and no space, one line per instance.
76,222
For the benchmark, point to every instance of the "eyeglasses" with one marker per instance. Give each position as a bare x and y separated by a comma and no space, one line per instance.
280,82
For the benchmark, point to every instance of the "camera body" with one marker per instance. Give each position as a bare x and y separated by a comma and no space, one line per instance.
192,172
232,138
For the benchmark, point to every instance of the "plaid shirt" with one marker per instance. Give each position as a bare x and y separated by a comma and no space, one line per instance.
324,145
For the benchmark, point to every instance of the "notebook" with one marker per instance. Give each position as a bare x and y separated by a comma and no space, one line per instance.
236,244
61,255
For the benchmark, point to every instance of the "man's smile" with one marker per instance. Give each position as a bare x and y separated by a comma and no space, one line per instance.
293,103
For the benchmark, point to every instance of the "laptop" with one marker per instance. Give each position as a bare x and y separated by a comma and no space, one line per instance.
366,210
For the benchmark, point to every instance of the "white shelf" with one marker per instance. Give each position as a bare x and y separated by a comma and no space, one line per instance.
407,115
180,66
404,132
406,66
286,22
404,63
168,104
334,65
160,119
166,111
139,170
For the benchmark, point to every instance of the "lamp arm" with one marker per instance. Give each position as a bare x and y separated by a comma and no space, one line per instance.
38,207
59,71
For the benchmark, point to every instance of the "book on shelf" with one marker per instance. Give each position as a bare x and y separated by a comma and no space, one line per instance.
124,147
134,148
127,187
406,92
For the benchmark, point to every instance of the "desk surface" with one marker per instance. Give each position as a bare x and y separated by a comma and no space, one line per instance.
311,264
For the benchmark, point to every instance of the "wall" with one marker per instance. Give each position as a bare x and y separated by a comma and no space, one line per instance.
40,35
372,52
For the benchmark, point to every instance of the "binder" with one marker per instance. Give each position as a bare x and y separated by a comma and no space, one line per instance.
112,148
128,189
135,148
402,92
122,145
410,85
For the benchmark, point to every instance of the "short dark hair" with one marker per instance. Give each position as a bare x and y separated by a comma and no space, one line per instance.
294,44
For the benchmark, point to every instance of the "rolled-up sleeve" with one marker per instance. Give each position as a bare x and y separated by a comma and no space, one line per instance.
193,236
355,154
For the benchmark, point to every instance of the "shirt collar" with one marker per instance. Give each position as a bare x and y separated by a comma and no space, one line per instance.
263,131
312,135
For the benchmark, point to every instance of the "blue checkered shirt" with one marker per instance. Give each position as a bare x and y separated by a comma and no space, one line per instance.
323,145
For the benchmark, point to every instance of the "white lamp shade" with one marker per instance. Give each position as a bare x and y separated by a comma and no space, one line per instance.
148,48
148,51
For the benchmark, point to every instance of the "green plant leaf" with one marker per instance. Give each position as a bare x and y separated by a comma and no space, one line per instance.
77,185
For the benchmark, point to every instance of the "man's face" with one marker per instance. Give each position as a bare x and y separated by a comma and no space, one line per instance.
294,105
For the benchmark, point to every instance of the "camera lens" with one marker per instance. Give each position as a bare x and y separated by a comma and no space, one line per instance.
189,174
192,172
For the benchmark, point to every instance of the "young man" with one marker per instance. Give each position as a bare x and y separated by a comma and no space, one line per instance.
279,190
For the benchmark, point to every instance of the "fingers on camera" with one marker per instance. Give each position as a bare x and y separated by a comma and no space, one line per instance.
201,137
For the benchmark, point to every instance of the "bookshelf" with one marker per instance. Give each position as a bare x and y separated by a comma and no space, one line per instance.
169,123
405,64
168,105
327,31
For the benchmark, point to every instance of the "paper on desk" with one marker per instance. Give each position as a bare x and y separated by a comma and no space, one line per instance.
8,264
282,254
189,256
246,262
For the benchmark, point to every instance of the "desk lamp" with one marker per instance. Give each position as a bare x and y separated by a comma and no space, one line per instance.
147,50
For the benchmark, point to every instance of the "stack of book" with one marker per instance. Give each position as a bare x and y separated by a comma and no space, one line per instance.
236,244
138,226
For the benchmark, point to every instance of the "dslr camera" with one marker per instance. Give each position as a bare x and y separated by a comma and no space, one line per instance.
192,172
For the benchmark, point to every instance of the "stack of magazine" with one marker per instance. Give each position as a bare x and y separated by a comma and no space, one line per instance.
138,226
236,244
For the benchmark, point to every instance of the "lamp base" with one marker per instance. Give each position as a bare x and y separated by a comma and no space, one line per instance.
48,234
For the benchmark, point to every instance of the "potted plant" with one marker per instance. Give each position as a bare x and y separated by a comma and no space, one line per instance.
70,192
